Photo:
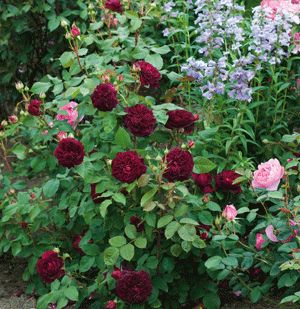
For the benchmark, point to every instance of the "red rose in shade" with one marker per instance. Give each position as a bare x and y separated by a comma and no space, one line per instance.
134,287
149,75
111,305
104,97
181,119
203,181
128,166
140,120
76,242
224,181
34,107
114,5
202,231
138,223
116,274
50,266
180,165
69,152
96,197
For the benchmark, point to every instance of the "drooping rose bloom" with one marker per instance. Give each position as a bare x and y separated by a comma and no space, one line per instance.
180,165
270,233
268,175
114,5
69,152
181,119
225,179
149,75
50,266
229,212
128,166
34,107
104,97
259,241
72,114
204,182
139,120
134,287
138,223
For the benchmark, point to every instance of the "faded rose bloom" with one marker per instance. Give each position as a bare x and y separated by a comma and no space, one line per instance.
75,31
268,175
204,182
13,119
34,107
229,212
225,179
114,5
61,135
111,305
149,75
104,97
50,266
138,223
259,241
181,119
270,233
72,114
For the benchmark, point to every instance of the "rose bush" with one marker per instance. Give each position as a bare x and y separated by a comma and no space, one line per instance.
144,191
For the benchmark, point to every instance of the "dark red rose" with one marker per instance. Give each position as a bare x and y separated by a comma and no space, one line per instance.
50,266
76,242
138,223
204,182
202,231
116,274
254,272
69,152
96,197
34,107
224,181
181,119
149,75
140,120
180,165
104,97
111,305
114,5
128,166
134,287
24,225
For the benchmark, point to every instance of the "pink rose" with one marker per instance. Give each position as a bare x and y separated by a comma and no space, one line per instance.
72,114
75,31
61,135
270,233
283,5
268,175
229,212
259,241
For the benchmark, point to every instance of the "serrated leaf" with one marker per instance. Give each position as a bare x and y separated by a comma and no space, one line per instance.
51,187
127,252
203,165
164,220
117,241
140,242
111,255
171,229
148,196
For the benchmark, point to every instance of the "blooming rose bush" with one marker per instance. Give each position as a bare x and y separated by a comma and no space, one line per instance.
126,185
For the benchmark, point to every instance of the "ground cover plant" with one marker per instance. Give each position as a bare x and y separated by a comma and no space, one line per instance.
158,165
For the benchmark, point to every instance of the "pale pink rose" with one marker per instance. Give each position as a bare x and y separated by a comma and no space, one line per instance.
51,124
270,233
61,135
282,5
259,241
72,114
237,293
268,175
296,50
229,212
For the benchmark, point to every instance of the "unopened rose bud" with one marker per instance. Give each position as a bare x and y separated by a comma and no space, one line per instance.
12,191
183,146
42,95
105,78
56,250
71,135
109,162
91,6
68,35
19,85
4,123
26,88
166,151
32,196
120,78
135,68
153,4
191,144
75,31
115,22
218,221
13,119
196,117
64,23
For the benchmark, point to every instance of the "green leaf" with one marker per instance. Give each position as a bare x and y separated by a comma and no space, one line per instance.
213,262
119,198
211,301
206,217
51,187
135,24
71,293
111,255
187,232
44,300
188,221
176,250
161,50
213,206
164,220
230,261
40,87
130,231
255,295
199,243
117,241
171,229
66,59
148,196
288,280
86,263
203,165
140,242
156,60
103,207
127,252
20,151
122,138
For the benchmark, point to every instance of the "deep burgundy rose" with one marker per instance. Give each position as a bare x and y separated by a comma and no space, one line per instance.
116,274
114,5
180,165
50,266
181,119
138,223
104,97
140,120
202,231
96,197
204,182
134,287
69,152
149,75
34,107
128,166
111,305
224,181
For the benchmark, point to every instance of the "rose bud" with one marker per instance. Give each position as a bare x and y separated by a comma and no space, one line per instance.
229,212
111,305
75,31
13,119
19,86
116,273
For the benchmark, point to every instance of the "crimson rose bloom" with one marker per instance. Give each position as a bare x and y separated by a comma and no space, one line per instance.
96,197
114,5
111,305
34,107
224,181
202,230
50,266
149,75
69,152
139,120
104,97
128,166
134,287
138,223
181,119
203,181
180,165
